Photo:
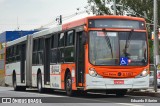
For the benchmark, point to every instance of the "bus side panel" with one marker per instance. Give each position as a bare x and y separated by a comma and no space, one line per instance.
34,75
9,71
8,75
71,68
55,76
29,60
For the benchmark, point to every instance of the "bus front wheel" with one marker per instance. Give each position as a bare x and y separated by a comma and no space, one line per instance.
17,88
68,85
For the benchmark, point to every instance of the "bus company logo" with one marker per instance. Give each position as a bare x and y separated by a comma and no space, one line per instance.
6,100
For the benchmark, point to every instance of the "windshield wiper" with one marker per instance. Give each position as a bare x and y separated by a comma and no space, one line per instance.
108,41
128,40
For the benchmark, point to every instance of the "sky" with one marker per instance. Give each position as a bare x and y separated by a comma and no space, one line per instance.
32,14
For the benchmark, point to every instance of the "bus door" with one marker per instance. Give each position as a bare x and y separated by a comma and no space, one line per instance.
79,60
47,61
22,60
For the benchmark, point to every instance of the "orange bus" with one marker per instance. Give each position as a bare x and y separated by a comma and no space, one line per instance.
107,53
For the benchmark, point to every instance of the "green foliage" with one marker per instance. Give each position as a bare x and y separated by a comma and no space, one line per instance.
141,8
151,58
99,7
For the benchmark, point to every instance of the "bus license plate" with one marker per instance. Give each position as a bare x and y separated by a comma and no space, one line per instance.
118,81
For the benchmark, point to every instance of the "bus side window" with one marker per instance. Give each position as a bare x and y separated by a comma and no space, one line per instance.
61,40
69,46
69,38
35,48
54,50
12,54
17,52
40,51
7,55
61,47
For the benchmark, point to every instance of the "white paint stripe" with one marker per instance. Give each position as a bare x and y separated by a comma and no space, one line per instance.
127,104
36,94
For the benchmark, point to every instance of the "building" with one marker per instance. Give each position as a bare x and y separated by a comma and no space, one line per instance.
9,36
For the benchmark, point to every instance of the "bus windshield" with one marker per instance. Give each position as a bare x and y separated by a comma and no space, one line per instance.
113,50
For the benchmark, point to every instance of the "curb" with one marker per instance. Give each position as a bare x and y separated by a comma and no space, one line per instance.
138,93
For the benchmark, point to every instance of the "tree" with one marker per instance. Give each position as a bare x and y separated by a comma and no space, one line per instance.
140,8
98,7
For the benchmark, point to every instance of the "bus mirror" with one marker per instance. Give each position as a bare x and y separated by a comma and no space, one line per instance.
84,38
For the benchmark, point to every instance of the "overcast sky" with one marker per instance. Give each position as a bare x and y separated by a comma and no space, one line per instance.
32,14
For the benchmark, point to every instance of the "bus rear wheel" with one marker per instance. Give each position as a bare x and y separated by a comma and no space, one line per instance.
17,88
39,83
68,85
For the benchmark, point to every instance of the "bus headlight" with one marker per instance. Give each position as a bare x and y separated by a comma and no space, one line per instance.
144,73
92,72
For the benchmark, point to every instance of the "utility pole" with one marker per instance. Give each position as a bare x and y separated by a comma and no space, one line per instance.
60,19
156,54
114,6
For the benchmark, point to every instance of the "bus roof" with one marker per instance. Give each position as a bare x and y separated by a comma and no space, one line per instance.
35,35
69,25
47,31
19,40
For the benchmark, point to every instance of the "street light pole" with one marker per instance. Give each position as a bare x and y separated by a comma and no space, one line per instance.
114,6
156,54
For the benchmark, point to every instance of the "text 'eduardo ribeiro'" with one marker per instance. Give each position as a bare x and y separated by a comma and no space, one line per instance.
144,100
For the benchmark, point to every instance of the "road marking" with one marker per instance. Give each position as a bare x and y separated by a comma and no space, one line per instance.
28,94
127,104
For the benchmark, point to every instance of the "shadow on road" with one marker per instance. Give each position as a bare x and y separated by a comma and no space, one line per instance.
78,95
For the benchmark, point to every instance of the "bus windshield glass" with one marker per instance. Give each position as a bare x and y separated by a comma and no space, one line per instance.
109,48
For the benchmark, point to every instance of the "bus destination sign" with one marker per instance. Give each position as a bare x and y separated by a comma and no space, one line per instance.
116,23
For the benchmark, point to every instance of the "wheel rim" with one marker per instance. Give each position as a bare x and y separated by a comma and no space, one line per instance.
68,85
14,83
39,84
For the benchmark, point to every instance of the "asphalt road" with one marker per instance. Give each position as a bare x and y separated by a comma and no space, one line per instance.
59,98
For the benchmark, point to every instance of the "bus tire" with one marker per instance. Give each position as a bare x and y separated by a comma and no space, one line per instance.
121,93
39,83
14,83
68,85
15,87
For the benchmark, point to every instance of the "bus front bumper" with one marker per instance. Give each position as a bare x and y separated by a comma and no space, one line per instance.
95,83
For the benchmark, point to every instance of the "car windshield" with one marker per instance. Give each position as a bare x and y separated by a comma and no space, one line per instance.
117,48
